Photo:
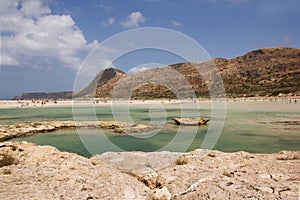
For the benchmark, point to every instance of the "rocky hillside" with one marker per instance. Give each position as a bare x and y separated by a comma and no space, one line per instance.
263,72
44,95
102,85
28,171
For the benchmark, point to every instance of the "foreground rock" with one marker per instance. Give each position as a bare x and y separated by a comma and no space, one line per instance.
28,171
29,128
212,175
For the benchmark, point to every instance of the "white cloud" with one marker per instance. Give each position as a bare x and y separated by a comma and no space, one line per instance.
34,8
143,67
133,20
7,60
31,34
108,22
234,2
136,70
106,7
175,23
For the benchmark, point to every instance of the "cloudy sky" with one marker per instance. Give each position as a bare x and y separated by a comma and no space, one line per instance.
43,43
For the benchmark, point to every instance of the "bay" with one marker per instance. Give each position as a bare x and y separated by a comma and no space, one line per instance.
256,127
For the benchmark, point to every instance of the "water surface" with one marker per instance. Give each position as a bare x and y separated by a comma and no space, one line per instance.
257,127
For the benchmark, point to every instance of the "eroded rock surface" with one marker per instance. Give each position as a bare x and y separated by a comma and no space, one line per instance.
204,174
28,171
29,128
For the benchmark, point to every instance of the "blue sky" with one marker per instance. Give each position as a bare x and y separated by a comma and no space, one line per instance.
43,43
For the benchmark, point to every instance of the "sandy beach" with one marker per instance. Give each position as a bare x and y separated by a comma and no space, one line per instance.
242,104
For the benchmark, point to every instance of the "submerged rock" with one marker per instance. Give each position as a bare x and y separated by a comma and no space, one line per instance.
29,128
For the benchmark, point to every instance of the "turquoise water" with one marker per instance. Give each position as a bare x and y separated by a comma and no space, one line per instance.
251,128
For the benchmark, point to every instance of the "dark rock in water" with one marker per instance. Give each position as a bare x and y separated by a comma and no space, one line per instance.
191,121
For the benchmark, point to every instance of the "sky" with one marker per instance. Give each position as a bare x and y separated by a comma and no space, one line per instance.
44,43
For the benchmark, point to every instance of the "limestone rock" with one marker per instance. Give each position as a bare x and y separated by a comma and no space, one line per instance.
28,171
162,194
43,172
203,174
29,128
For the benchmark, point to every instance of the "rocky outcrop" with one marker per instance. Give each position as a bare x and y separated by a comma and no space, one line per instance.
102,85
28,171
204,174
30,128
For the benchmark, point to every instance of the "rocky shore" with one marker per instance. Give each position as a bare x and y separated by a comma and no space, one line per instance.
28,171
29,128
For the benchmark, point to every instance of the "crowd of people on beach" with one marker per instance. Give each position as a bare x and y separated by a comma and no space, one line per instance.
35,102
53,102
270,99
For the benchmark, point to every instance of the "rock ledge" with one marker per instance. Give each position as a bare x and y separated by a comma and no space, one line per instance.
28,171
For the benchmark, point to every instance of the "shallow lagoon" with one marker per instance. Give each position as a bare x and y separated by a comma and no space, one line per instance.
258,127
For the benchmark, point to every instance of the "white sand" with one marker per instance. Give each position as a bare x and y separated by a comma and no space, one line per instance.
249,104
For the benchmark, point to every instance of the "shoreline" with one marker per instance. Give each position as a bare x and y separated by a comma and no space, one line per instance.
100,102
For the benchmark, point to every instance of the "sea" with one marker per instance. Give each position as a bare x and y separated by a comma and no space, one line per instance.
251,126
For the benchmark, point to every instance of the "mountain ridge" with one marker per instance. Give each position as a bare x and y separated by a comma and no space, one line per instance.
261,72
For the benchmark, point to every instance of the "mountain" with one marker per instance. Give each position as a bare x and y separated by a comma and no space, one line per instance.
102,85
262,72
44,95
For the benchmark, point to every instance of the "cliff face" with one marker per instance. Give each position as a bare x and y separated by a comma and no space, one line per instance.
102,85
263,72
28,171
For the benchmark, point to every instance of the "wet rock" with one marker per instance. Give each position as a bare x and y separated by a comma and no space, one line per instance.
30,128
